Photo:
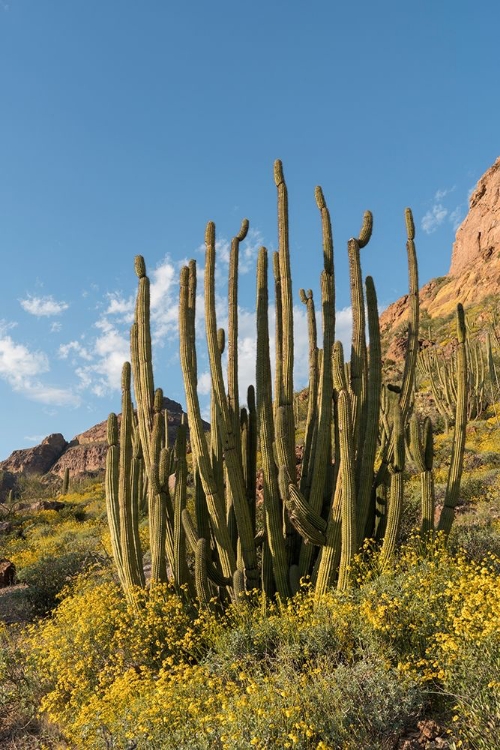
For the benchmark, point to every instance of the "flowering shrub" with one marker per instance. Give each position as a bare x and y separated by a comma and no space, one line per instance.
346,670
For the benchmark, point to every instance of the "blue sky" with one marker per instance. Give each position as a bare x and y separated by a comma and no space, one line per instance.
126,126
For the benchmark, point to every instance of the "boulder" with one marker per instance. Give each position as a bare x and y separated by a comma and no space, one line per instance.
46,505
37,460
7,573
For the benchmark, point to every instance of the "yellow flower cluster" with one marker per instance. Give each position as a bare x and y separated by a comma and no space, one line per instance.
265,674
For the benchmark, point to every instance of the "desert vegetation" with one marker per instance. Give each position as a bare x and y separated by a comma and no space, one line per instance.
352,602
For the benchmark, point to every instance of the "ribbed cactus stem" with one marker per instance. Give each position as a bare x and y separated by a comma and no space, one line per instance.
359,360
305,481
459,432
214,501
365,232
285,433
320,441
408,385
230,437
396,469
142,360
347,462
422,452
250,455
200,573
370,425
180,571
129,532
427,480
232,339
272,502
112,479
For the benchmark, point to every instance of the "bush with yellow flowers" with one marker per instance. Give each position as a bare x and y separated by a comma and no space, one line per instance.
347,670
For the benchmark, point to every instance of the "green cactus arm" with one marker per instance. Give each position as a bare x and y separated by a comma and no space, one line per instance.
230,440
179,568
459,432
285,427
359,358
370,427
366,229
142,360
310,525
129,536
273,508
347,463
305,479
200,573
278,346
232,330
321,481
427,480
215,503
408,384
112,478
250,455
396,469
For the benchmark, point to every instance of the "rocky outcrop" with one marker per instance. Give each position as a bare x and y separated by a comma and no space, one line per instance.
89,458
478,237
37,460
475,266
85,454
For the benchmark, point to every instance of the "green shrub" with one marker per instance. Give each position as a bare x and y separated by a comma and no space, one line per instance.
47,577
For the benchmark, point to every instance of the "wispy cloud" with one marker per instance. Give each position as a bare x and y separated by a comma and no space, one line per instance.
440,194
456,217
76,348
22,368
439,213
43,307
434,218
102,365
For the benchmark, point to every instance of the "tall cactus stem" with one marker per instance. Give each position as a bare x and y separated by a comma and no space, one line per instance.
459,431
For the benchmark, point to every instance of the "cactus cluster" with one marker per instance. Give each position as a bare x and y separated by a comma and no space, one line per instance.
438,370
213,541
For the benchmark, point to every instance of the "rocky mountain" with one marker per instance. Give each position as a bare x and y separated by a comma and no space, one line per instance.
474,273
85,454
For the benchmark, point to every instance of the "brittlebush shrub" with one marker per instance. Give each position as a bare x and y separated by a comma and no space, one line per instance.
348,670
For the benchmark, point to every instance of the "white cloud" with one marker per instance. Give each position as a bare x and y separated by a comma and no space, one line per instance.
43,306
77,348
109,351
21,369
164,301
434,218
55,327
456,217
117,305
440,194
18,363
204,383
51,395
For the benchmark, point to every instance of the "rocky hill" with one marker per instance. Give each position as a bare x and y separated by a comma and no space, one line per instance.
85,454
474,273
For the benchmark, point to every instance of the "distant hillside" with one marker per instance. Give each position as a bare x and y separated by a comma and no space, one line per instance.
85,454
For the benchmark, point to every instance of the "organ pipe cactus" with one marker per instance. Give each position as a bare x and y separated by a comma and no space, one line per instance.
212,541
